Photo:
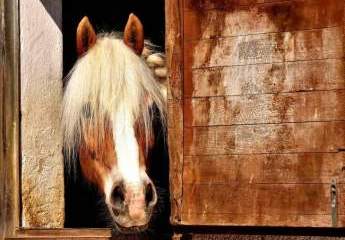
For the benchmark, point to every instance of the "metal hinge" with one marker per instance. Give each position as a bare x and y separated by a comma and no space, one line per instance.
334,202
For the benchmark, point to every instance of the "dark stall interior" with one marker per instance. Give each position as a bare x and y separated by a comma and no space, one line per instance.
84,206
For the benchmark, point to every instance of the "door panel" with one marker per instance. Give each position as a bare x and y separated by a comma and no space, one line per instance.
257,112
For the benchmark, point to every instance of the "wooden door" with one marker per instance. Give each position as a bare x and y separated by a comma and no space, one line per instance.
257,112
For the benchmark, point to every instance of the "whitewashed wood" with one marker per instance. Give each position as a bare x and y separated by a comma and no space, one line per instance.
266,108
266,48
41,98
266,78
222,18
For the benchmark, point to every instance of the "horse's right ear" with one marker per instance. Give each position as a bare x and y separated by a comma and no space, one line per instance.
133,36
86,36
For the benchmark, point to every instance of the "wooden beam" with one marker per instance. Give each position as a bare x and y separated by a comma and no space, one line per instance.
174,53
9,118
99,234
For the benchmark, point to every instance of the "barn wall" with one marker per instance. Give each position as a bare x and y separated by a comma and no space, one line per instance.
257,112
41,97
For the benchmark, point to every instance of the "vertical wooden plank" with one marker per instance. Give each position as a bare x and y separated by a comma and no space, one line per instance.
174,47
175,141
41,99
9,118
174,53
2,162
2,172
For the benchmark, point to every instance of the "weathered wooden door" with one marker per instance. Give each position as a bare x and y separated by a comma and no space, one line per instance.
257,112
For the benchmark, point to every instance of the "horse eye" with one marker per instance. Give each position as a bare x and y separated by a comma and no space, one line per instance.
87,110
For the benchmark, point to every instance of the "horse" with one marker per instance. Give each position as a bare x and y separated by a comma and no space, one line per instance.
110,105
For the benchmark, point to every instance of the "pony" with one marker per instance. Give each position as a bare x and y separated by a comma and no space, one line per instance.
110,103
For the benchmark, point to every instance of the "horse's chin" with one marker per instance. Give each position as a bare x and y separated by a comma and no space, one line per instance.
130,230
118,227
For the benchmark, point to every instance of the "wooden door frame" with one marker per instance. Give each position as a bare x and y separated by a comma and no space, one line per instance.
9,119
175,62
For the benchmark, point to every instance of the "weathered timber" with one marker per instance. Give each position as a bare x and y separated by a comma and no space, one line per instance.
266,78
268,108
9,118
271,220
263,113
235,18
174,48
262,204
265,138
314,44
174,53
40,234
265,168
175,138
272,235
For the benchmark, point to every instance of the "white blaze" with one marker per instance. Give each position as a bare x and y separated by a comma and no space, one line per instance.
126,147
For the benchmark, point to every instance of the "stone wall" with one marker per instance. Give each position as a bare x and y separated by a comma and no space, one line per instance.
41,98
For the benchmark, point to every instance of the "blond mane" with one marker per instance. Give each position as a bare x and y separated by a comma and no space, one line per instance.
109,85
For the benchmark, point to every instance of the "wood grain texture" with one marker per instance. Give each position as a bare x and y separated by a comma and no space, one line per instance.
174,53
175,141
99,234
254,18
269,108
2,150
292,221
288,199
259,204
316,44
243,235
9,118
174,47
263,112
266,78
265,168
265,138
204,5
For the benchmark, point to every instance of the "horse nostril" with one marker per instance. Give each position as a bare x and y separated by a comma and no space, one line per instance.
150,195
118,197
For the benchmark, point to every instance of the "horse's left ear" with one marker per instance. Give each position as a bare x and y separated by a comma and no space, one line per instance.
86,36
134,34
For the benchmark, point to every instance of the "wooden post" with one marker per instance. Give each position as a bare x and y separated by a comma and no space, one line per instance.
9,118
174,54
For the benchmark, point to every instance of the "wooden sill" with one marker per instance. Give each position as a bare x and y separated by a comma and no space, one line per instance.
64,233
